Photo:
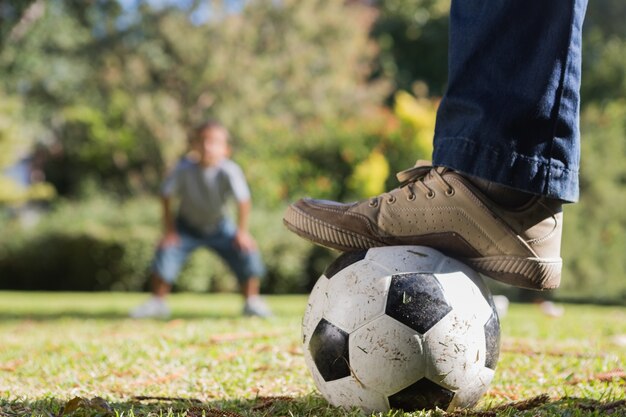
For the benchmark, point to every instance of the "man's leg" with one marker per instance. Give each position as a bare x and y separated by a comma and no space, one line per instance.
510,113
509,118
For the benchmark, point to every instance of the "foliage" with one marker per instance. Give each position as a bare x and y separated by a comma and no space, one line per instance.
340,159
81,247
108,245
10,130
15,141
368,177
414,137
604,52
11,14
208,359
107,90
12,193
413,40
595,229
117,96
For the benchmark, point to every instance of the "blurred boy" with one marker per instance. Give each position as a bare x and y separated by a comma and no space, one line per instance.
203,188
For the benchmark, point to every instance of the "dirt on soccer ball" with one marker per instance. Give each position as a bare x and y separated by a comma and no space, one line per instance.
402,327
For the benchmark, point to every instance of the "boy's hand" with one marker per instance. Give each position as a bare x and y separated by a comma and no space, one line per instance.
170,238
244,241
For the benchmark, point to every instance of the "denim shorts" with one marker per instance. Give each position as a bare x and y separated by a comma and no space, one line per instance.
168,261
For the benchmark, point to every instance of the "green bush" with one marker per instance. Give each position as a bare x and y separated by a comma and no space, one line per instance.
97,245
103,244
594,235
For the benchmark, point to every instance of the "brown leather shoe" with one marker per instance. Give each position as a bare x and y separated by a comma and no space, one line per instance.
440,208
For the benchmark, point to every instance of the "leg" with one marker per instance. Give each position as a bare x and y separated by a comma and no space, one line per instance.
509,117
247,267
253,303
166,266
510,114
251,287
160,287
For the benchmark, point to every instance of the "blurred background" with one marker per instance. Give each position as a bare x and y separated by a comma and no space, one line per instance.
325,98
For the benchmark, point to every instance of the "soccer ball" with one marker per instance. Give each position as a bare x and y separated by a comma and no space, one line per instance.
402,327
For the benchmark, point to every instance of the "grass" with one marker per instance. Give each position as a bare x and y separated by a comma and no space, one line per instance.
209,361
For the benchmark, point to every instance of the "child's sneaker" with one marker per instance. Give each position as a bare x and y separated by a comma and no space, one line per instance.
155,307
255,306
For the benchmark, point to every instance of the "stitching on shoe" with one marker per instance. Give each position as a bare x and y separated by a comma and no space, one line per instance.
549,235
348,213
464,214
330,226
522,244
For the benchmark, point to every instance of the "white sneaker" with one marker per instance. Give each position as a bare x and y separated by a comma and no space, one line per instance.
255,306
550,309
155,307
502,305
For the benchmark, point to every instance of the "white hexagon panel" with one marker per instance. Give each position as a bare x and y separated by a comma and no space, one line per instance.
457,347
386,355
317,303
462,291
357,295
406,258
348,393
469,395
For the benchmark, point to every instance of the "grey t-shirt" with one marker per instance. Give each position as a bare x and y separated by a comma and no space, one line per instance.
205,191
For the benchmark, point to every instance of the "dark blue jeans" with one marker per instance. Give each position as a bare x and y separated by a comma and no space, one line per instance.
511,110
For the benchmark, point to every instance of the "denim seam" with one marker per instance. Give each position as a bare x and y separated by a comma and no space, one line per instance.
559,98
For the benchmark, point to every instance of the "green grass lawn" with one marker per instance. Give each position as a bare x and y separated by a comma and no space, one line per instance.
207,360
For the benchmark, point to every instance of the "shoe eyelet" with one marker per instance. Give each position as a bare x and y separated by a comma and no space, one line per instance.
412,197
391,199
450,192
430,195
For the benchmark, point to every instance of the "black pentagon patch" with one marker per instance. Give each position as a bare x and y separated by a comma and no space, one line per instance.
329,349
422,395
417,300
343,261
492,341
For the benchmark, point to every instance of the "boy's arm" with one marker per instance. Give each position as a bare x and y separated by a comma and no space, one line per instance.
243,238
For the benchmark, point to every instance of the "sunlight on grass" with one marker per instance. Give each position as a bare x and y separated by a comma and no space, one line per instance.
58,346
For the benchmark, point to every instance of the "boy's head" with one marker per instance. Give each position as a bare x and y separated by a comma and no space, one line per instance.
210,141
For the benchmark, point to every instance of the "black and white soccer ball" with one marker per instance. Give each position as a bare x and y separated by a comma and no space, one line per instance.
402,327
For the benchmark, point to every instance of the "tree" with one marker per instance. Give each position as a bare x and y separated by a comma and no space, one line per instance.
604,52
413,39
118,93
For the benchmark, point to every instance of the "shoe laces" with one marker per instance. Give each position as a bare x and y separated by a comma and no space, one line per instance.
412,180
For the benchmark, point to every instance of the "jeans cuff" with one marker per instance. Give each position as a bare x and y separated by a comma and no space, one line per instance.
533,174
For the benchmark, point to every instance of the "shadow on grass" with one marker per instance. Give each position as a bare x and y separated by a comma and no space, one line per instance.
111,315
309,405
164,407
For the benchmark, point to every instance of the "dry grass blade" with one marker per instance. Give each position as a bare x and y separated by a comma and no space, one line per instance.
609,376
608,408
517,405
267,402
153,398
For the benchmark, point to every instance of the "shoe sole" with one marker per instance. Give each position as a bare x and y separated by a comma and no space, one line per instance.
530,273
